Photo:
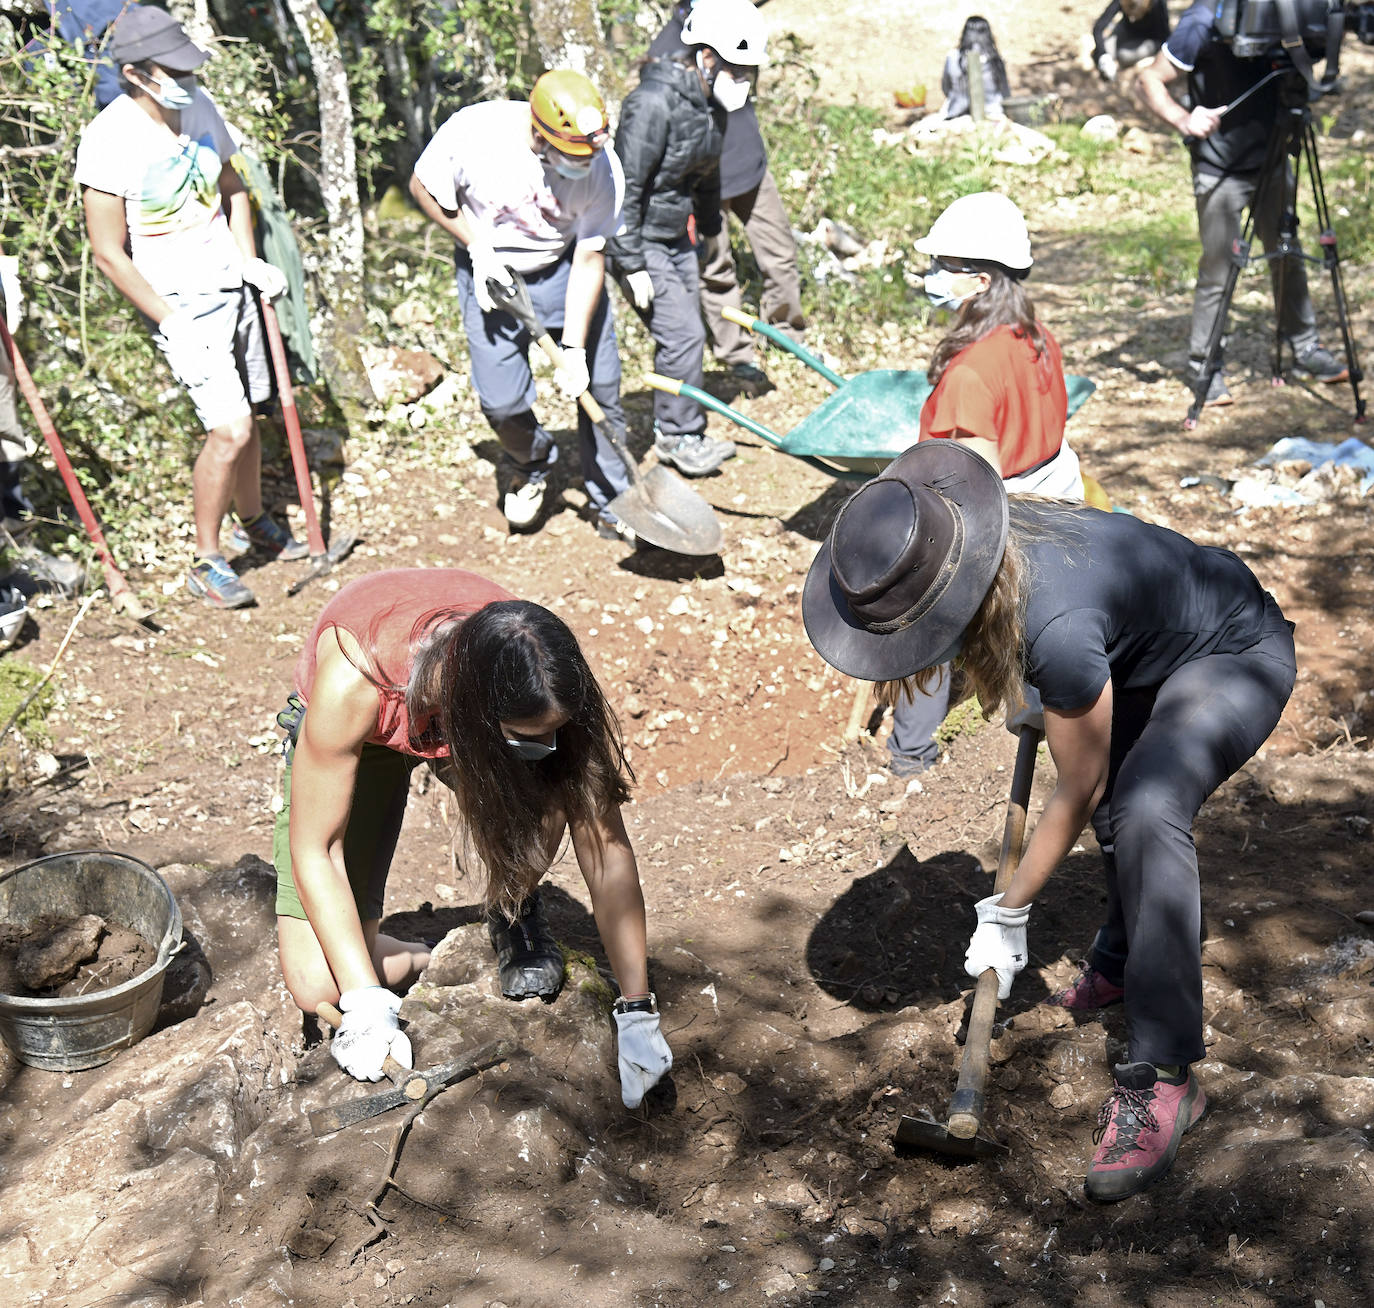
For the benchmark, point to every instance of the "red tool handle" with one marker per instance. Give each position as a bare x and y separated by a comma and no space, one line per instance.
114,579
294,440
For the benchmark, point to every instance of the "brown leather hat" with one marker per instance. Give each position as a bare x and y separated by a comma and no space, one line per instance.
908,561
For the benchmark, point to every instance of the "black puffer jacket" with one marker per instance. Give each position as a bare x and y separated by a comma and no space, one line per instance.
668,141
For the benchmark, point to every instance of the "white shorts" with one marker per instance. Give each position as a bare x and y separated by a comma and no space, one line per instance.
238,377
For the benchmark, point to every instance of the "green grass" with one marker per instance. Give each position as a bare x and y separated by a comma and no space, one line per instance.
17,680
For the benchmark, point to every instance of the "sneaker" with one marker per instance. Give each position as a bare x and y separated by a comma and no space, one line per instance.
529,959
611,528
1318,362
265,533
214,580
751,379
1087,992
693,456
1139,1129
522,504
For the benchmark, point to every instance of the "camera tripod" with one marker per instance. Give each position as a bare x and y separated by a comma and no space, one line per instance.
1292,150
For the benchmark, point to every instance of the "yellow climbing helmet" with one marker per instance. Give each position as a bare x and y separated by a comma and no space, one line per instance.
569,113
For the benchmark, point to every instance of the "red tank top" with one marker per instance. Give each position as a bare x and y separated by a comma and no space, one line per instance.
386,613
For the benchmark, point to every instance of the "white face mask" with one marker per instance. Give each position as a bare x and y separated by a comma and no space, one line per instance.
729,92
170,92
939,287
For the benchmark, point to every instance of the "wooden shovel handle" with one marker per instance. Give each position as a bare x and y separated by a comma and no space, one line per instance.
555,356
401,1077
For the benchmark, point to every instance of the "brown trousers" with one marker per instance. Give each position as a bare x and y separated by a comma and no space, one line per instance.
770,236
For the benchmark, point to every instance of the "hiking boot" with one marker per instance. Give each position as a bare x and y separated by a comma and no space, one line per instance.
1087,992
266,534
1139,1129
529,959
693,456
212,579
523,503
1318,362
750,378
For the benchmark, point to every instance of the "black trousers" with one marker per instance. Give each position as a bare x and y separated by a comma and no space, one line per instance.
1172,746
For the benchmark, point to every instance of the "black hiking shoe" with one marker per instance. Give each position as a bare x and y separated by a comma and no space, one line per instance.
530,961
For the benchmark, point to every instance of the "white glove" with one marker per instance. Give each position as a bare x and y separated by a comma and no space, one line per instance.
486,263
999,942
13,292
645,1058
186,348
369,1033
267,277
641,288
572,375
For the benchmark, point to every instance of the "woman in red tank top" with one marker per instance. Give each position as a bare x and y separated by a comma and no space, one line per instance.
444,665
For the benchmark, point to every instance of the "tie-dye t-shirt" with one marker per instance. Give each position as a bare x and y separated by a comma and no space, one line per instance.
178,235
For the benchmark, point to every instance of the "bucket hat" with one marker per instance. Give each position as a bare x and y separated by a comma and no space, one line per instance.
146,32
907,563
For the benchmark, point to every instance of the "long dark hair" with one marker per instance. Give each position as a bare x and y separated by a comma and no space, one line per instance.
512,661
977,35
1004,304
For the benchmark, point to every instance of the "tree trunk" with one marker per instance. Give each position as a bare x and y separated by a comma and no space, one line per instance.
570,36
341,255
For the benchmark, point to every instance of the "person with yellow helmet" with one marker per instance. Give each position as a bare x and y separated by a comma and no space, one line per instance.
529,187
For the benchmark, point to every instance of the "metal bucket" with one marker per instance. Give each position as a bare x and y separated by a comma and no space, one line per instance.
81,1031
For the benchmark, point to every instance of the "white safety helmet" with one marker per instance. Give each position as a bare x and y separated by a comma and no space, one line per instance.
734,29
985,226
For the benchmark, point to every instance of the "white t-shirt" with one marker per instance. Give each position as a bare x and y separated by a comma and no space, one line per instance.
482,158
179,237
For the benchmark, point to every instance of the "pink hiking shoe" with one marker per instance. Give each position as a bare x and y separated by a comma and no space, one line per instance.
1088,991
1139,1129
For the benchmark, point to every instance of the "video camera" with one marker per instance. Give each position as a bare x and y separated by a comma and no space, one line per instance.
1296,30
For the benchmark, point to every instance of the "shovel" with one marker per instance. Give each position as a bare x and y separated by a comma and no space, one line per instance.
657,505
962,1135
322,558
409,1087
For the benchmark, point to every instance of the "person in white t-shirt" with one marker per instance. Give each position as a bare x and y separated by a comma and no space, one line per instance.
170,225
529,187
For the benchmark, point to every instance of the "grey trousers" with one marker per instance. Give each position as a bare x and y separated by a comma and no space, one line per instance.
915,721
1221,203
1172,746
674,320
499,349
775,251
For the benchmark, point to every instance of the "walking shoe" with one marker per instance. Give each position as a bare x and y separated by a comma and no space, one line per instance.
530,961
523,503
214,580
1318,362
751,379
693,456
1139,1129
1087,992
268,535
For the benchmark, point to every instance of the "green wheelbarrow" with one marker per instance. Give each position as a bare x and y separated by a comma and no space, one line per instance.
861,428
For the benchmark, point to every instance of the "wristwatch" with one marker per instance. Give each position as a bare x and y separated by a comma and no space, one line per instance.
644,1004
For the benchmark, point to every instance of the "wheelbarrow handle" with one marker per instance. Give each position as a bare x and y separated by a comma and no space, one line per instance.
781,338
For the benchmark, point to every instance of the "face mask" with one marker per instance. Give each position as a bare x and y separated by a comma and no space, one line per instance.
566,166
172,93
940,292
729,92
532,751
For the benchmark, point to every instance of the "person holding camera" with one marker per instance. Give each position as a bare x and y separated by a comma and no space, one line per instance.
1230,149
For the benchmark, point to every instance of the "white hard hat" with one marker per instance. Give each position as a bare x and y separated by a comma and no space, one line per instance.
734,29
985,226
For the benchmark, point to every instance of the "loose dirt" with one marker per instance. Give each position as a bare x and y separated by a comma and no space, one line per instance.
807,912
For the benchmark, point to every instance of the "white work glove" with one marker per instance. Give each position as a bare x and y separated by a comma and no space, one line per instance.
186,346
645,1058
369,1033
267,277
572,375
13,292
486,263
999,942
641,288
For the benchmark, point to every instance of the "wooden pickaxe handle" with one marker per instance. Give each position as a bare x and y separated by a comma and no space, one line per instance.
412,1084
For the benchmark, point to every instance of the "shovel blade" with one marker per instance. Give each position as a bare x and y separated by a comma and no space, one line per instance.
926,1133
663,510
324,1121
321,565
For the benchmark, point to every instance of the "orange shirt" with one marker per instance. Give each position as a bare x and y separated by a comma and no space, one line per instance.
386,613
997,389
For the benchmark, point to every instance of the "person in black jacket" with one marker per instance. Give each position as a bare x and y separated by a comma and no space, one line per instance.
669,142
